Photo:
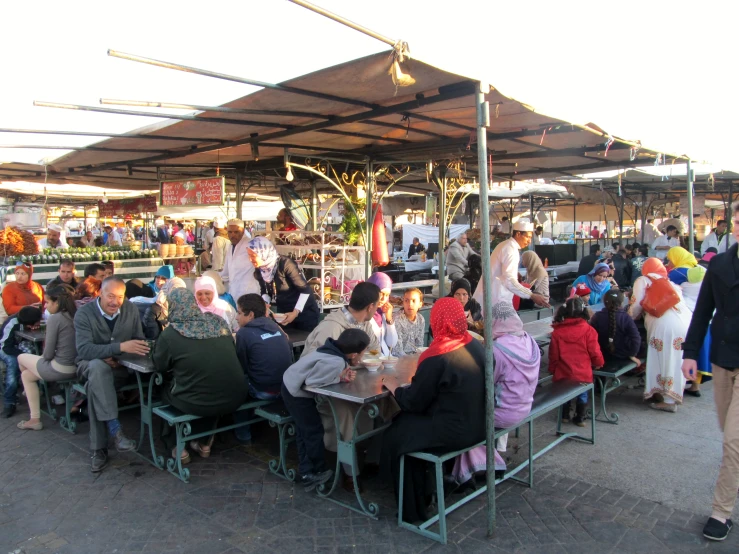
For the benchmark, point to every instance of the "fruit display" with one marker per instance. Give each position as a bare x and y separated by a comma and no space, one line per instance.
16,242
96,254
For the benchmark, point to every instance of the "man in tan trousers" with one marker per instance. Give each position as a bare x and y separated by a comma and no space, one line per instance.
720,292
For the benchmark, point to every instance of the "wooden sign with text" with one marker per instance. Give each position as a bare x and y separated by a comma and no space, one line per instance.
209,191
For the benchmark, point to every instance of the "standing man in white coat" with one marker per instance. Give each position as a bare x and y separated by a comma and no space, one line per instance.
504,262
238,270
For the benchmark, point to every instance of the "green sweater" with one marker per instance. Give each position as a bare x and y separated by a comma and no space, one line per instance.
207,379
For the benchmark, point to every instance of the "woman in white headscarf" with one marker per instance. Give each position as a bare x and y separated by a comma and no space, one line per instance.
206,294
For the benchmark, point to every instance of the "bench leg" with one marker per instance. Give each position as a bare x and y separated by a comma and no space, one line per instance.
440,501
286,432
66,422
174,465
531,453
146,404
607,385
400,491
50,409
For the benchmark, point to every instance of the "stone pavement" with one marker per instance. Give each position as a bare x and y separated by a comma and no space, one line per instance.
50,502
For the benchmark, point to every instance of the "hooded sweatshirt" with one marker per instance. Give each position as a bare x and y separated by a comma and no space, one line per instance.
332,326
574,351
264,353
320,368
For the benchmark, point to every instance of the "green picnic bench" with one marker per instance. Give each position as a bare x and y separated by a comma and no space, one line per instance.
609,379
538,311
183,431
278,416
66,421
546,399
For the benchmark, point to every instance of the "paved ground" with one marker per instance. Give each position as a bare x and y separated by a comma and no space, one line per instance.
644,487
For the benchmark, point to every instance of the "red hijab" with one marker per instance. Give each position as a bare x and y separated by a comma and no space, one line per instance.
449,326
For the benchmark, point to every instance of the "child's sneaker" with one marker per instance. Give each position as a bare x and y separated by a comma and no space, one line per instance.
311,480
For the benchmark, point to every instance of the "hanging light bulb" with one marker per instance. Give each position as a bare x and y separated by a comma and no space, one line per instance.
105,198
289,176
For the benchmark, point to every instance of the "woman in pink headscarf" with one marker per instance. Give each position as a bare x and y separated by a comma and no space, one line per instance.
206,295
516,375
383,323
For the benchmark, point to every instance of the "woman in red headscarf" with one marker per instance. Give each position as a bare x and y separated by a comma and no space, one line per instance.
665,336
23,291
444,406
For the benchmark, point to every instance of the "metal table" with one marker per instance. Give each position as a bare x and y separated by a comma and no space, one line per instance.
34,335
541,329
365,391
297,337
144,366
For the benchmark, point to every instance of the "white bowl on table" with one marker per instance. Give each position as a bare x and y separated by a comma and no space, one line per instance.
279,318
372,364
389,361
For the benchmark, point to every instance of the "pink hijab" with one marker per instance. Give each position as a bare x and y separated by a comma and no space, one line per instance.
217,306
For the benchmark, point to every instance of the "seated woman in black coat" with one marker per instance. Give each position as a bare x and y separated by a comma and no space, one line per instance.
283,284
444,407
462,292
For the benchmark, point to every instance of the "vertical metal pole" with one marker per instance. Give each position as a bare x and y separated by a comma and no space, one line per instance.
643,215
691,236
84,209
531,207
482,109
728,216
238,195
313,205
442,229
370,181
621,221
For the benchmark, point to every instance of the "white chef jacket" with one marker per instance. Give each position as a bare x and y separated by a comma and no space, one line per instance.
504,263
664,240
43,243
711,240
238,270
727,242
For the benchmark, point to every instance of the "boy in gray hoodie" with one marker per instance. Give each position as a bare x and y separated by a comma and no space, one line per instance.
327,365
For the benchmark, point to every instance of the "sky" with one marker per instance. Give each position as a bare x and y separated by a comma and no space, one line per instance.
661,72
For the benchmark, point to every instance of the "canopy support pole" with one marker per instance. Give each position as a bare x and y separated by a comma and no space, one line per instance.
482,109
643,215
691,235
728,216
531,207
238,194
370,217
442,228
621,221
313,205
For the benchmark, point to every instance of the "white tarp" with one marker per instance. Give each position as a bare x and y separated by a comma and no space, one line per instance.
250,211
428,233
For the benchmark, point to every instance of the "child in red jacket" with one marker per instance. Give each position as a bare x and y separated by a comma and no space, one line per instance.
574,352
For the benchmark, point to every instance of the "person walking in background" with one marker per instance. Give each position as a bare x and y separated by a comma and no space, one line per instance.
458,255
720,292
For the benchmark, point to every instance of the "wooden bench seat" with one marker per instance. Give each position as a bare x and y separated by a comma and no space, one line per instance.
546,399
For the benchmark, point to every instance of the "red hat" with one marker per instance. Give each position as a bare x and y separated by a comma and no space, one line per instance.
581,289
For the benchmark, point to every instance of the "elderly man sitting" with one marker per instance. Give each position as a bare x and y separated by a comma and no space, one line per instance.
53,238
458,257
105,328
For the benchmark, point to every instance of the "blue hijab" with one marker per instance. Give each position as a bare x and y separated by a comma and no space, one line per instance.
603,286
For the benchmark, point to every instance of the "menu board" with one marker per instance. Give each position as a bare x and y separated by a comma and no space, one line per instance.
127,206
208,191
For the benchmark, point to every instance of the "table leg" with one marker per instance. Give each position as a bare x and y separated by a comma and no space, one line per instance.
346,453
146,405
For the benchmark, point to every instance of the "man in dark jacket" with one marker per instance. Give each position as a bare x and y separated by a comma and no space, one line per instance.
588,262
621,269
66,275
264,352
720,292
